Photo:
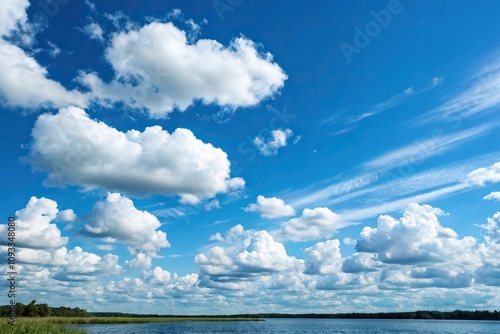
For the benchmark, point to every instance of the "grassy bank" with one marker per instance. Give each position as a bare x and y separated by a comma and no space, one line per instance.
35,326
55,325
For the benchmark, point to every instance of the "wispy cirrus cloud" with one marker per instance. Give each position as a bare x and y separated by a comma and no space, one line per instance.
481,94
378,108
427,148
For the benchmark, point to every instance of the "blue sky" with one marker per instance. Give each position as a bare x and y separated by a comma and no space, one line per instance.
245,156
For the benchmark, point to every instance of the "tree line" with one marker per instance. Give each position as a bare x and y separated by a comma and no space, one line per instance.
42,310
429,315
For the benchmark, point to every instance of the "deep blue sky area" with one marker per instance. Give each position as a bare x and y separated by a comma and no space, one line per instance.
212,157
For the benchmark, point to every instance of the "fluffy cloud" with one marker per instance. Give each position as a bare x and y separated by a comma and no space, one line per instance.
116,217
417,237
180,72
66,216
245,254
360,262
482,176
74,149
493,196
269,146
34,228
323,258
493,227
314,224
24,82
12,15
271,207
80,265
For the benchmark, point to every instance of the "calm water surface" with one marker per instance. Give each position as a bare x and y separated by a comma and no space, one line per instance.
302,326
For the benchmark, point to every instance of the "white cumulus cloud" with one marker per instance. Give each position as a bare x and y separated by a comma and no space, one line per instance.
116,217
272,207
158,69
243,254
417,237
76,150
313,224
495,195
34,228
484,175
24,82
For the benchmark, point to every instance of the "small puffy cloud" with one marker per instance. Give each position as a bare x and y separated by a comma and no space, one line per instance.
116,217
94,31
269,146
494,196
54,49
323,258
314,224
482,176
33,225
213,204
158,276
76,150
180,72
272,207
66,216
141,260
417,237
245,254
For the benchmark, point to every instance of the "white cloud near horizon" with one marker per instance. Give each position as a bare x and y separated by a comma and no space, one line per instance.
242,254
192,73
76,150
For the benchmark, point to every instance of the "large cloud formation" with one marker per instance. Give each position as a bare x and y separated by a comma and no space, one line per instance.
40,246
76,150
243,255
417,237
158,69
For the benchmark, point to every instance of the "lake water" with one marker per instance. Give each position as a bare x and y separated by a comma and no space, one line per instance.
303,326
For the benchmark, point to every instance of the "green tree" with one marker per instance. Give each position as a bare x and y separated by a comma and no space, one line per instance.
31,310
20,308
44,310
